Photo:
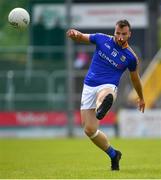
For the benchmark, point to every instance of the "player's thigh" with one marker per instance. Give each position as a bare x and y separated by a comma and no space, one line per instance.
103,93
88,117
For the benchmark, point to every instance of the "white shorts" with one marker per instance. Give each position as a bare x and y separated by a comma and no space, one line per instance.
89,95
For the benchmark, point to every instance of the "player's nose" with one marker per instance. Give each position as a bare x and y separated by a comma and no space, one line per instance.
120,38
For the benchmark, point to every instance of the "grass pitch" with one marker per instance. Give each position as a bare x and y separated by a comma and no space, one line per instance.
77,159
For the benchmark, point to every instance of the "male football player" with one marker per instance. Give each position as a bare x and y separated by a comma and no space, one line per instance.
112,56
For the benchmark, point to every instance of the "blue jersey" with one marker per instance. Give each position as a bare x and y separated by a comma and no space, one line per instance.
109,61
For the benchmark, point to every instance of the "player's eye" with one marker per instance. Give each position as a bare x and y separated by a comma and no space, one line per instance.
117,33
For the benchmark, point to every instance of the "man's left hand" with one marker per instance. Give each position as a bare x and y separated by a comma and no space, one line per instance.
141,105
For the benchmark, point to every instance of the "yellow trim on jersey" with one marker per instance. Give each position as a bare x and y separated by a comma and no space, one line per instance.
132,51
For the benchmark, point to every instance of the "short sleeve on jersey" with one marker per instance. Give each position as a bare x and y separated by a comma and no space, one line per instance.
92,38
133,64
98,36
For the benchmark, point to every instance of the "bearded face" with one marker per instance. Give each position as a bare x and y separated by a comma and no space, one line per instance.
122,34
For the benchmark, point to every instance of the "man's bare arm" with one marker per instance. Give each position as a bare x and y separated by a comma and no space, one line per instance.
135,79
78,36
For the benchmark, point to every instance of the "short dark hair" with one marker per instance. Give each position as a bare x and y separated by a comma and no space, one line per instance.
122,23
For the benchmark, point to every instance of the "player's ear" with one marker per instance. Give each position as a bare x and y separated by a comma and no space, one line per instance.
129,34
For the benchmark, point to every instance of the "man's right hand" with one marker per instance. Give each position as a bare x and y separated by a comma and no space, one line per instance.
78,36
74,34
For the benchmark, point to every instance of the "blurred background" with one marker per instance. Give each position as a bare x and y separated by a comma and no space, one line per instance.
42,72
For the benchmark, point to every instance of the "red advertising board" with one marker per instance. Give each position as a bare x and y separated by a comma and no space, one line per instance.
46,119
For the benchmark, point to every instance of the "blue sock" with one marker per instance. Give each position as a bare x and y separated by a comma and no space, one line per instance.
111,152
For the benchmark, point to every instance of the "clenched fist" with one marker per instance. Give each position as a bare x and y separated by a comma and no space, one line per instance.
74,34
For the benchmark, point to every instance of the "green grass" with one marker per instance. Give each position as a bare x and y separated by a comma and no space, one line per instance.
77,159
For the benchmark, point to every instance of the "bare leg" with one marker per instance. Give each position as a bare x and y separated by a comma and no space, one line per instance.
90,124
102,94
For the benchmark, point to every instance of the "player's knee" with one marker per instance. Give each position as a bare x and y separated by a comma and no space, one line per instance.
91,132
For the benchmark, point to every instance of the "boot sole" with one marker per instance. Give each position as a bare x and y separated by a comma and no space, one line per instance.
104,107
